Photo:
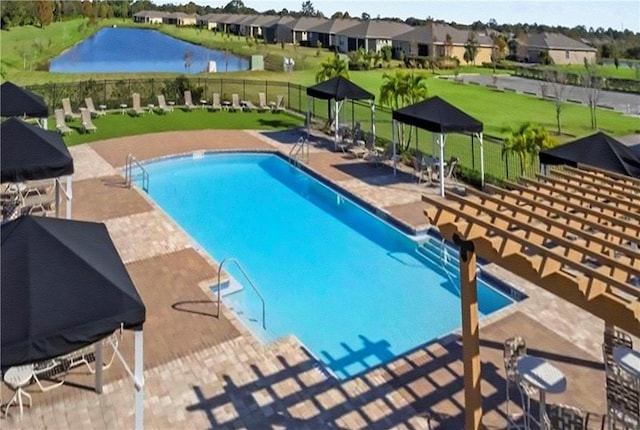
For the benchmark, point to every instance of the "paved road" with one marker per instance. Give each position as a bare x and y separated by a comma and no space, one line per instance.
622,102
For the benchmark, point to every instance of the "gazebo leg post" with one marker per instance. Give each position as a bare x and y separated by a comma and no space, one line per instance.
470,334
99,354
139,380
308,117
441,142
393,145
57,197
481,160
69,193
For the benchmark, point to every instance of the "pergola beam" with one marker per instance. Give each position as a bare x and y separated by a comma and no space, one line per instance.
595,184
600,177
622,178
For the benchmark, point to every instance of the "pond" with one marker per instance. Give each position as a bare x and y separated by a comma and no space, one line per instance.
132,50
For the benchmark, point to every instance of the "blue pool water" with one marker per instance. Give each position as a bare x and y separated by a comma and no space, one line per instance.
132,50
356,291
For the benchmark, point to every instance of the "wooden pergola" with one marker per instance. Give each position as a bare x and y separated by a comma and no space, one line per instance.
574,232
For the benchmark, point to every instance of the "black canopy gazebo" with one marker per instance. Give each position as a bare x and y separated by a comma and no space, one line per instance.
31,153
339,89
597,150
20,102
65,287
438,116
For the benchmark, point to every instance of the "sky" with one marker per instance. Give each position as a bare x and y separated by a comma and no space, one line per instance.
617,14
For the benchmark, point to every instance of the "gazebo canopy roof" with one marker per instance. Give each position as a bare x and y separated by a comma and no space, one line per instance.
439,116
598,150
574,232
29,152
64,287
339,88
18,101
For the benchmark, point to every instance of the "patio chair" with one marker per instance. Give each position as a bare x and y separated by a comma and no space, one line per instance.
68,112
235,103
279,106
87,124
136,108
363,146
188,103
92,109
515,348
61,124
262,103
249,106
379,155
17,378
215,104
162,104
564,417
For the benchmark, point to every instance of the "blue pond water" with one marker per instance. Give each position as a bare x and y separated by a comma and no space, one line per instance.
131,50
356,291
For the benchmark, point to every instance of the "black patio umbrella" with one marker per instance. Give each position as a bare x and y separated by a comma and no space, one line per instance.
29,153
64,287
18,101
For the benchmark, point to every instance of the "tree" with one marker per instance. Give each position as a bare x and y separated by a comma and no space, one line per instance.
234,6
308,9
332,67
557,81
402,89
471,48
592,84
498,49
87,10
337,15
448,45
525,142
44,9
365,16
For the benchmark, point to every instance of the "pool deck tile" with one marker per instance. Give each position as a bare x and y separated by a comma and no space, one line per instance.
205,372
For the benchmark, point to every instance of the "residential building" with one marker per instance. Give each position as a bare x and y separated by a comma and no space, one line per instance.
561,49
180,19
370,35
325,33
150,17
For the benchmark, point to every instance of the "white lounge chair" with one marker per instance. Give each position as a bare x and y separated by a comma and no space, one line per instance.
87,124
188,103
262,105
249,106
68,112
215,104
279,107
162,104
136,108
92,109
235,102
61,124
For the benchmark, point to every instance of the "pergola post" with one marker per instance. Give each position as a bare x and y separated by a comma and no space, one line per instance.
470,334
69,194
373,120
335,125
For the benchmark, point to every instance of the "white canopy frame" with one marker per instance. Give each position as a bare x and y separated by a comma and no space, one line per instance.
68,194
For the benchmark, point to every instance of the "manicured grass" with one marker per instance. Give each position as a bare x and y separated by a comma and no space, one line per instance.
116,125
606,71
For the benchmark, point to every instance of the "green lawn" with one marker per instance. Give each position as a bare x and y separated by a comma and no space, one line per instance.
116,125
607,71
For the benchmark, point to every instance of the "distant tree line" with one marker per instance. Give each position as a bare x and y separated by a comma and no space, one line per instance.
611,43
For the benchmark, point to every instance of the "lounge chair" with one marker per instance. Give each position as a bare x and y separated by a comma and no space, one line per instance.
249,106
235,103
279,107
215,104
362,146
87,124
262,105
188,103
162,104
68,112
379,155
92,109
61,124
136,108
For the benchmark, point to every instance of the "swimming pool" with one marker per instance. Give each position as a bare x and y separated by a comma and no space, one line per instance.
356,291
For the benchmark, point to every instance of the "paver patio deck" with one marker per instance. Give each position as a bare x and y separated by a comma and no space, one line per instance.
202,371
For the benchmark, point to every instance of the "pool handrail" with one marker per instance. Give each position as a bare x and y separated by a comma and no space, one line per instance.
246,276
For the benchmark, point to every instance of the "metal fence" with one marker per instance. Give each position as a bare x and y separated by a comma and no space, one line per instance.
113,93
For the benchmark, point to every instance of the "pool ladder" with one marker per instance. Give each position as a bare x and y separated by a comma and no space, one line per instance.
128,173
299,152
444,258
246,276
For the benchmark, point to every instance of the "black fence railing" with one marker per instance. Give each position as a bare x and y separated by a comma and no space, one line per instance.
114,93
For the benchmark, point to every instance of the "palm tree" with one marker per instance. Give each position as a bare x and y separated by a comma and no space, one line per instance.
402,89
331,68
526,142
